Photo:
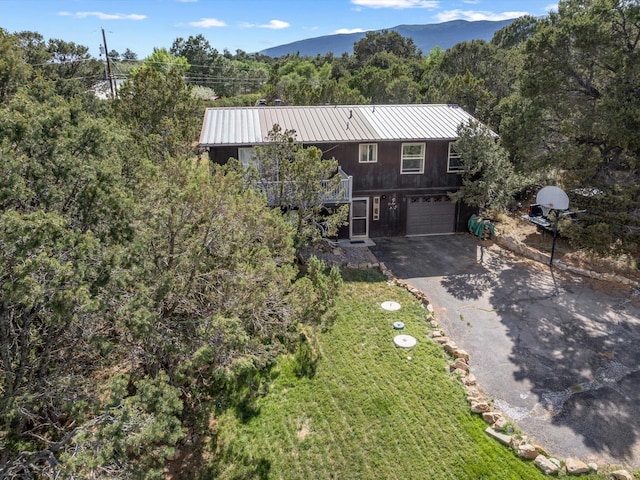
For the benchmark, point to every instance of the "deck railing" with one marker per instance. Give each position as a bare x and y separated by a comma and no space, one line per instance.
276,190
341,194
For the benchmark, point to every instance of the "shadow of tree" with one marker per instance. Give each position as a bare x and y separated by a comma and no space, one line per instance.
581,357
306,358
357,275
578,348
467,286
237,466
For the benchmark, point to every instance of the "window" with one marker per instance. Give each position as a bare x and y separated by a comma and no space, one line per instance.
412,158
454,164
248,158
368,153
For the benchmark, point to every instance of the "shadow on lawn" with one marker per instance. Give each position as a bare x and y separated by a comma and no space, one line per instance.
206,455
367,276
577,347
238,466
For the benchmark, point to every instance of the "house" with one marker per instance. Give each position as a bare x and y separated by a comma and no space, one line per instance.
103,91
398,161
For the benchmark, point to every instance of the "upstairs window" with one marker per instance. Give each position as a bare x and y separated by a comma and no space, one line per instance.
368,153
412,158
248,158
454,164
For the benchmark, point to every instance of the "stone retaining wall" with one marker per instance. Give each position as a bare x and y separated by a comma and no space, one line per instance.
523,250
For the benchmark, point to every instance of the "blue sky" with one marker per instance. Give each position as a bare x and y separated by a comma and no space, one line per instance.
249,25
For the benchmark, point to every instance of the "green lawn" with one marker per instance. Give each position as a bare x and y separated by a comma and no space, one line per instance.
369,412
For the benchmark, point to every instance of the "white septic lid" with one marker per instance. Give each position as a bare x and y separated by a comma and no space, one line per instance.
390,306
405,341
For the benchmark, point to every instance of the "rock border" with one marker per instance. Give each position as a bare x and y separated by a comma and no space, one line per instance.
513,245
500,427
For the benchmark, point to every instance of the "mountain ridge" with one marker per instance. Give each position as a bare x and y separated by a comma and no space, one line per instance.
425,37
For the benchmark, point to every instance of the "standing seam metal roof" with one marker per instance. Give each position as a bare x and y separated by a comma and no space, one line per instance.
335,123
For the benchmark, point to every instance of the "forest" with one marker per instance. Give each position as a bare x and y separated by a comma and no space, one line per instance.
142,287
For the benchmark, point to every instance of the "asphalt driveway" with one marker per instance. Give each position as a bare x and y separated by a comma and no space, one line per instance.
558,353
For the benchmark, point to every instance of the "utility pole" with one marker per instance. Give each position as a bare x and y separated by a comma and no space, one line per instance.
106,56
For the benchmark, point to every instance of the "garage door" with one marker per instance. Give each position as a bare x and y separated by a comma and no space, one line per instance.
428,215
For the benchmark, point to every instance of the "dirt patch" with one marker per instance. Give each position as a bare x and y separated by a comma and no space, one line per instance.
304,430
515,227
193,453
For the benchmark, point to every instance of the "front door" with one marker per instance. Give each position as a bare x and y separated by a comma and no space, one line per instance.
359,218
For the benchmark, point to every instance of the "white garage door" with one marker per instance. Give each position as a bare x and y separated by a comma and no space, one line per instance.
428,215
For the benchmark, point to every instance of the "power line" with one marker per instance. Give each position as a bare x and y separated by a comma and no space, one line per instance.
109,78
64,62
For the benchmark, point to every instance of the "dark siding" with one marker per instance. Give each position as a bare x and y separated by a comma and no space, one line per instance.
465,211
383,179
385,174
221,155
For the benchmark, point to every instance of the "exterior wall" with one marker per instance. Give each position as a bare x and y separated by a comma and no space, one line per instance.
385,173
383,179
221,155
464,212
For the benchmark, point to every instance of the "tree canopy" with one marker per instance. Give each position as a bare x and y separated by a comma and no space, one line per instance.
128,306
489,180
141,288
296,179
581,76
385,41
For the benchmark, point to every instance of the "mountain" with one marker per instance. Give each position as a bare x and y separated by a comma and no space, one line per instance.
425,37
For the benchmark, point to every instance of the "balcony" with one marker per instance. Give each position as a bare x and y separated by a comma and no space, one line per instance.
341,194
276,191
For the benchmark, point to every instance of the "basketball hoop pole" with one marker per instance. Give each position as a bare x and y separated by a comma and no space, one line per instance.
555,199
555,234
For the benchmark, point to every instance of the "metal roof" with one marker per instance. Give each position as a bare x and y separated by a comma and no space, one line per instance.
333,123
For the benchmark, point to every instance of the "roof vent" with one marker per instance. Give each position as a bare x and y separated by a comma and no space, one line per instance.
277,102
262,102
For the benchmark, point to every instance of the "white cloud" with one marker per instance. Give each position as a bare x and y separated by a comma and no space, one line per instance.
399,4
104,16
275,25
553,6
208,23
475,15
348,30
471,2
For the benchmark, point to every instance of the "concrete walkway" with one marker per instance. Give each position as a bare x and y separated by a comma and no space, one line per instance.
558,353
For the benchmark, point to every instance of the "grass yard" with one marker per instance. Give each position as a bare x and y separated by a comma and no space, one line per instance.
368,412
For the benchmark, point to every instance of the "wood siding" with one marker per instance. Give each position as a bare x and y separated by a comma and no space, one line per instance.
384,179
384,175
221,155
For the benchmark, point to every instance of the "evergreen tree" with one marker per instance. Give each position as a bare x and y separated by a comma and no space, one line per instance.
127,303
488,178
581,76
297,179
